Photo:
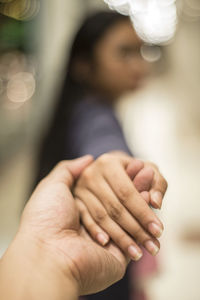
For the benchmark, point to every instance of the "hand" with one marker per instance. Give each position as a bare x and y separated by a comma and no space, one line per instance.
149,182
110,205
50,223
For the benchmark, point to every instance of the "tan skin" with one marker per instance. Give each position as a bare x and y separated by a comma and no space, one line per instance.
110,205
52,256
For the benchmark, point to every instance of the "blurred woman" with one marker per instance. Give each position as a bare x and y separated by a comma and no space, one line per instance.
104,64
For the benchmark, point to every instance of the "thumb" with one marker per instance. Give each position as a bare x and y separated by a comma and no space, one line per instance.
76,166
143,180
67,171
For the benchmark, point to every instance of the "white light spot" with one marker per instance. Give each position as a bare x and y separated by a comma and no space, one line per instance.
154,20
151,53
21,87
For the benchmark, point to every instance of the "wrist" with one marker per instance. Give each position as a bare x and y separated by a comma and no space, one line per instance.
32,273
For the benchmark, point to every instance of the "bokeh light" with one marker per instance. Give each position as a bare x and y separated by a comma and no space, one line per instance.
154,20
151,53
20,9
17,79
21,87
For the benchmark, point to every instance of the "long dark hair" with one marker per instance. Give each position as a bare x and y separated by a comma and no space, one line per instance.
93,28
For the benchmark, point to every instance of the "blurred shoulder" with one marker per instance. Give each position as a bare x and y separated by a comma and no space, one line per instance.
93,105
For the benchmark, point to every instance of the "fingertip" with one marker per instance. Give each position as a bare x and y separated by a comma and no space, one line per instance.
156,199
134,167
156,229
135,253
143,180
152,247
102,238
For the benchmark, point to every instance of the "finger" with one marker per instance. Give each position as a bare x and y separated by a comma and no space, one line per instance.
68,171
159,186
134,167
146,196
76,166
124,189
158,190
117,234
143,180
90,225
117,213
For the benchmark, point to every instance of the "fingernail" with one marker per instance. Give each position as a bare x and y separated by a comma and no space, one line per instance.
102,238
156,198
151,247
155,229
134,253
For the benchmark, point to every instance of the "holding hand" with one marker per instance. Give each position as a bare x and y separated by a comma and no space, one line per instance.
52,256
111,206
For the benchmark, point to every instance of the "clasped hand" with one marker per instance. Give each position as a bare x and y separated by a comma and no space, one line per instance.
61,254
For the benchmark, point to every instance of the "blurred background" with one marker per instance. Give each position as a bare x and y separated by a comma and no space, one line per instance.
161,122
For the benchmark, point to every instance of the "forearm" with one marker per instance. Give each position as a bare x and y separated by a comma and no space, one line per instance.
25,273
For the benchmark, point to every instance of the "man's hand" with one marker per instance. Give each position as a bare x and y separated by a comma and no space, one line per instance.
57,251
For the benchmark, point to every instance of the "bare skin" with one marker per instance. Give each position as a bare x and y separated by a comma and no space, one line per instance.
52,256
112,206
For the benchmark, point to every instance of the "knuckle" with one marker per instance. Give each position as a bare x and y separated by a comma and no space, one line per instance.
115,212
100,216
87,174
124,193
103,159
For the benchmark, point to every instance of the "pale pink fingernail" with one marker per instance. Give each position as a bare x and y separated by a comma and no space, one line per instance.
134,253
156,198
155,229
152,247
102,238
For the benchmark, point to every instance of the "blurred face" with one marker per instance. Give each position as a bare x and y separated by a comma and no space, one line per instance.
117,66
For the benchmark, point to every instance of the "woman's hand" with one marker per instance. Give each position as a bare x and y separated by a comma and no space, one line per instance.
111,206
151,186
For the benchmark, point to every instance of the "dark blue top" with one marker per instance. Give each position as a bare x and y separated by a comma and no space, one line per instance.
94,129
